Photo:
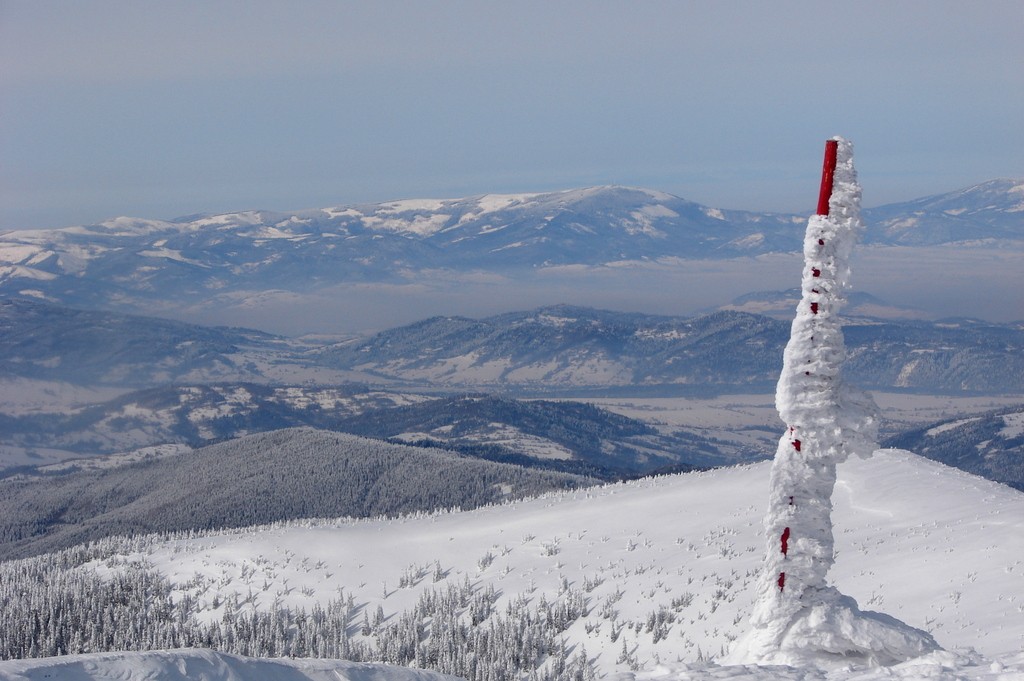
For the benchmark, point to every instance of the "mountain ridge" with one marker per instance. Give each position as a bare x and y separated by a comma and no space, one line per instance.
577,346
550,347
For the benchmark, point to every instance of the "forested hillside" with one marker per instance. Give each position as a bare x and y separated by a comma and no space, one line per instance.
288,474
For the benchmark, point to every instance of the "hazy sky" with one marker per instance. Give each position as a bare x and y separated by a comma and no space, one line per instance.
161,109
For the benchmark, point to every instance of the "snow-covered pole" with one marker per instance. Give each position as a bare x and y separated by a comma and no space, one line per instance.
798,616
809,393
809,397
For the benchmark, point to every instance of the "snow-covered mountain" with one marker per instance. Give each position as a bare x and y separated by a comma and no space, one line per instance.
648,579
259,250
248,258
990,210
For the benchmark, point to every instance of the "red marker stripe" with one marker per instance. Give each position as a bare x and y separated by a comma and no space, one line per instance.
827,172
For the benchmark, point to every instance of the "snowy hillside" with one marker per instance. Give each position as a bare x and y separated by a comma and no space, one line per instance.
652,575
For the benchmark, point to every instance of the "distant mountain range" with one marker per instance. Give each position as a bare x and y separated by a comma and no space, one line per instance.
546,350
138,264
565,347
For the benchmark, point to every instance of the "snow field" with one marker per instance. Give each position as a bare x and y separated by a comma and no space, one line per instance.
666,567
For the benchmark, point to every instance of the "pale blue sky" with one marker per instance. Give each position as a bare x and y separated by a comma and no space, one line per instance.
161,109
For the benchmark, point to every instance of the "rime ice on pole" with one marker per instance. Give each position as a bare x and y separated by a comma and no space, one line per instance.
798,618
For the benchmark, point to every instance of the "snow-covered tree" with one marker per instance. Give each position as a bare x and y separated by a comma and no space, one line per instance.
798,617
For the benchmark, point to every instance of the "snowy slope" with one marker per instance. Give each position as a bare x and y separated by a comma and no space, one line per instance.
666,567
911,538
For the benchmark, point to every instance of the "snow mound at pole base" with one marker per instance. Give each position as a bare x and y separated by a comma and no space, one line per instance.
831,632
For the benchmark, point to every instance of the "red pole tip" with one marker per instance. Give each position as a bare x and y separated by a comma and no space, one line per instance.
827,172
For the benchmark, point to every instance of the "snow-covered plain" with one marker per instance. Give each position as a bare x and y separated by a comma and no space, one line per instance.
939,549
